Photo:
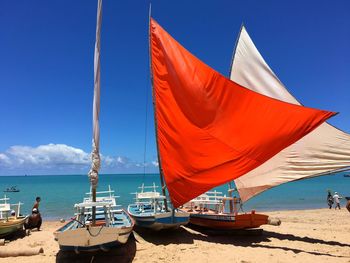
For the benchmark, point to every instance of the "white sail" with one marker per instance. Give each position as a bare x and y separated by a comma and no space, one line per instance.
322,151
95,154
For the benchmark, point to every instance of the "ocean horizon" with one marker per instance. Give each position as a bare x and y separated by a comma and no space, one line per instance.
59,193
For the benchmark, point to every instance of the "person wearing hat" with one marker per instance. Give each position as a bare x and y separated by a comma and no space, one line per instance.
34,220
336,199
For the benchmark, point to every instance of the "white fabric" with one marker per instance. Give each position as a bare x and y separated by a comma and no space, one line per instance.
95,155
324,150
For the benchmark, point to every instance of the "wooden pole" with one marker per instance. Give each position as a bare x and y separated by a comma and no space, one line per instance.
155,119
94,207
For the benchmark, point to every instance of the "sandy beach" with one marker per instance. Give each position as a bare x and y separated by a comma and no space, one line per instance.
320,235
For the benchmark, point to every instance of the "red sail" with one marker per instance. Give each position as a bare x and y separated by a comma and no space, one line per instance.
211,130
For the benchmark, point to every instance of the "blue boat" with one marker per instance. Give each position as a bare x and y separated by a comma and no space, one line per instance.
151,211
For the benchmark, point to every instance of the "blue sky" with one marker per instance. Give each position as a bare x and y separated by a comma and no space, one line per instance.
46,71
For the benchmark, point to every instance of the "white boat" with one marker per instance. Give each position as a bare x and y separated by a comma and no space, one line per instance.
149,211
97,223
112,225
10,224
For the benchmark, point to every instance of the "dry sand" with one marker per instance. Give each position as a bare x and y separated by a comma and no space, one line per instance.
320,235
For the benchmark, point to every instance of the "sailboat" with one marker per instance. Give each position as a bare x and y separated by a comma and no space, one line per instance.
10,223
98,223
211,130
151,209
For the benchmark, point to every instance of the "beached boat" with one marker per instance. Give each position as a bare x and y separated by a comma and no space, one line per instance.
112,225
97,224
149,211
12,189
10,224
211,130
213,210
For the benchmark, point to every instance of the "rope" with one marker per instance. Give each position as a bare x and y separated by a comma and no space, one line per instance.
88,229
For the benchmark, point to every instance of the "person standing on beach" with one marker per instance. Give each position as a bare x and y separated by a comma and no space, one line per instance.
336,199
330,200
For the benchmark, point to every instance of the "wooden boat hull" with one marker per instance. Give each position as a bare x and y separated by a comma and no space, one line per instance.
160,221
228,221
11,226
93,238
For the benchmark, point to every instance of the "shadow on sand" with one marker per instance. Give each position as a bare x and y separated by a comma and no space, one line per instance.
164,237
240,238
122,254
291,237
16,235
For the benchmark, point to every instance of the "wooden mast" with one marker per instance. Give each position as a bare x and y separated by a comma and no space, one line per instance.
154,109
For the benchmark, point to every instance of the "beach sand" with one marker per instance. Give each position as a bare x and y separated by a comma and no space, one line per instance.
320,235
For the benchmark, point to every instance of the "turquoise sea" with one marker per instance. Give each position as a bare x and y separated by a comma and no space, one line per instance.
60,192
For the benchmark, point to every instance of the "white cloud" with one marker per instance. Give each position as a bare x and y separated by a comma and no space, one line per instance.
61,158
49,155
4,160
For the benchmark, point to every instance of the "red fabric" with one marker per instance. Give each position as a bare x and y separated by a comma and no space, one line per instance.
211,130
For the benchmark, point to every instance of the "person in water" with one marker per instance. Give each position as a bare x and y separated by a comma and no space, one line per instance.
330,200
336,199
34,220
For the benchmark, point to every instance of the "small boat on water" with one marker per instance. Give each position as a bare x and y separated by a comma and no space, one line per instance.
149,211
111,228
346,175
11,189
10,223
